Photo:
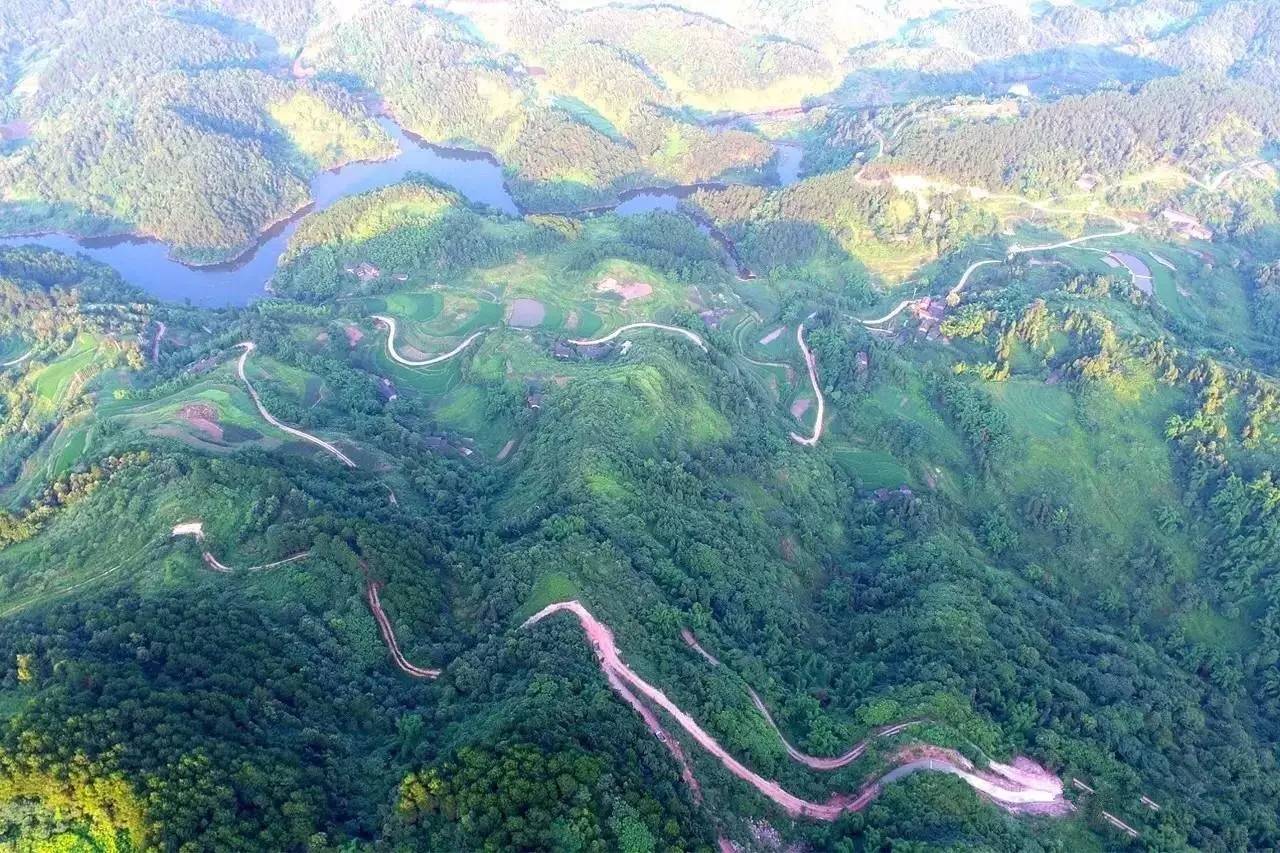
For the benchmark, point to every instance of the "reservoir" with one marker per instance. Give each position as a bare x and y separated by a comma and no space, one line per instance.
476,176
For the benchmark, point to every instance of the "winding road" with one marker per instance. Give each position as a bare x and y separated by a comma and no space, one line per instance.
816,762
812,364
196,529
623,329
409,362
897,309
389,636
16,361
811,761
1215,183
1020,787
249,347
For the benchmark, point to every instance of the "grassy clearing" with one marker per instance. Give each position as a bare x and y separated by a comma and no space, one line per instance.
547,589
283,379
1102,456
874,469
414,306
52,382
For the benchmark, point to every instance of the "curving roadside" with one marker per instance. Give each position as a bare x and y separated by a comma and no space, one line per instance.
250,346
954,292
811,363
1216,181
692,642
817,762
16,361
425,362
1020,787
389,636
697,339
813,762
897,309
196,529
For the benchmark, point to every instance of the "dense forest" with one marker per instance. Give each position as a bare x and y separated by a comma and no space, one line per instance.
933,486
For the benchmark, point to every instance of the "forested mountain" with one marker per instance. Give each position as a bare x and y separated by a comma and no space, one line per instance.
734,426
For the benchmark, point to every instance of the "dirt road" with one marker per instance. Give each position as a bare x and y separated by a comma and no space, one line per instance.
389,636
897,309
409,362
161,329
196,529
1020,787
812,364
622,330
15,361
692,642
249,347
817,762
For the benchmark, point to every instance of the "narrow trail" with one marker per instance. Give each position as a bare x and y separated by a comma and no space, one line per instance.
812,364
72,588
409,362
196,529
954,293
697,339
389,636
813,762
249,347
16,361
1021,787
1215,183
751,360
692,642
817,762
161,329
213,563
742,349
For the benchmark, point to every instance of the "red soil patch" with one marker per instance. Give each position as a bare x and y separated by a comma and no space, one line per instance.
354,335
203,417
628,290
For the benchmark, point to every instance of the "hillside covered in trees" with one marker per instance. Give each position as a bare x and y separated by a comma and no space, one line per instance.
905,475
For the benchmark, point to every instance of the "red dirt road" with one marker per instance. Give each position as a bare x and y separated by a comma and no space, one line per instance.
1018,788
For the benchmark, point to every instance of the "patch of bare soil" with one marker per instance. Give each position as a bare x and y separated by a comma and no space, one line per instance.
203,417
627,290
354,335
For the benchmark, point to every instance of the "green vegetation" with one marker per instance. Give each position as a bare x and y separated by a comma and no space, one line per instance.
1042,517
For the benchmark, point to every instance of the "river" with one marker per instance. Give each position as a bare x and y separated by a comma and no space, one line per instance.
476,176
